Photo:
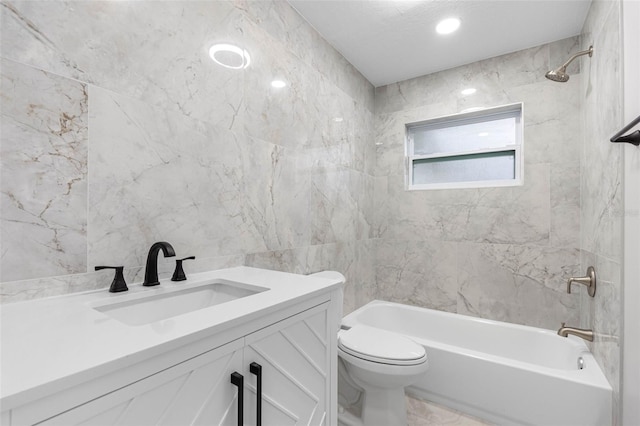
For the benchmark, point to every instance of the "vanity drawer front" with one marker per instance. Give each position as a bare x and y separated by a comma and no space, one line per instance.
197,391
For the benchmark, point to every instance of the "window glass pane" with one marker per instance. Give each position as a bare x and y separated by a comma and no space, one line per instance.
469,136
465,168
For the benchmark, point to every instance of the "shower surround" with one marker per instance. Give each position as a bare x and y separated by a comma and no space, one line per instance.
498,253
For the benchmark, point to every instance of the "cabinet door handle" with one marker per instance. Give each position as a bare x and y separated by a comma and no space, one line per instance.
256,369
237,379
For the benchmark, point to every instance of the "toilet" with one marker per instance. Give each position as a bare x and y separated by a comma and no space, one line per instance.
381,364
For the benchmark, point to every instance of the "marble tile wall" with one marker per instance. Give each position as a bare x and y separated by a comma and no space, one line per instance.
43,167
498,253
602,205
121,132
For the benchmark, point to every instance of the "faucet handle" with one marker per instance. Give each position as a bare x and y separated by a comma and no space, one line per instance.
118,284
589,281
178,274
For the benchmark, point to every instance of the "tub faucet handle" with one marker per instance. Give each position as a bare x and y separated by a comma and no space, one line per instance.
589,281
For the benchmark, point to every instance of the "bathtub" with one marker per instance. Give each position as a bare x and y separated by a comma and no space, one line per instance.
500,372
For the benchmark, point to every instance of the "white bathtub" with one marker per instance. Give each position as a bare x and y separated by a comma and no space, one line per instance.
500,372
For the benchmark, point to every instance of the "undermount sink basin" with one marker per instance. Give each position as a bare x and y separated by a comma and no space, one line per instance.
144,309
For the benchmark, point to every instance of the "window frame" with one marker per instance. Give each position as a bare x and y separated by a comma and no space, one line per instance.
476,116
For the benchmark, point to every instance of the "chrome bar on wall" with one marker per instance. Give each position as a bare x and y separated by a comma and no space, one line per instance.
633,138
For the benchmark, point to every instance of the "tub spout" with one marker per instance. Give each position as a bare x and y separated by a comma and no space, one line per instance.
582,333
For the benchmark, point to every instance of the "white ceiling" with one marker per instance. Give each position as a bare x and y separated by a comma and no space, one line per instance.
394,40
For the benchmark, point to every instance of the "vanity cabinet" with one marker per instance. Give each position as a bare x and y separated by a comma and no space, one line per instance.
296,362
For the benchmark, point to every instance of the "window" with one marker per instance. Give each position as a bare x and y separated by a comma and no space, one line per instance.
470,150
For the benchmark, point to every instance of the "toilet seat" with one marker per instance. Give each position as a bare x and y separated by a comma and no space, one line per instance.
380,346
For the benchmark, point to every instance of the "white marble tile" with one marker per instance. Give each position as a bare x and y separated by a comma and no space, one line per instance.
425,413
353,259
492,77
606,319
517,283
19,291
341,132
283,116
44,174
601,182
602,179
310,113
364,273
380,215
339,205
158,176
277,195
163,162
164,62
552,121
517,214
565,205
281,22
367,140
420,273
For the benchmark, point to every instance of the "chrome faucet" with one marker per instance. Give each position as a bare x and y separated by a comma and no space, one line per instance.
580,332
151,271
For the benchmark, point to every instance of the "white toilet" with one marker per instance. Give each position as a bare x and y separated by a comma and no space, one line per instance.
381,364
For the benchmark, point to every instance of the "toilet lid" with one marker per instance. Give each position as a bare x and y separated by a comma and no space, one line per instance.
374,344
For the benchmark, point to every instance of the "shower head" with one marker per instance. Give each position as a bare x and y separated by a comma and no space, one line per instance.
560,74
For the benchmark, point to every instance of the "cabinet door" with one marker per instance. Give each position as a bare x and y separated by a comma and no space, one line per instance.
195,392
295,358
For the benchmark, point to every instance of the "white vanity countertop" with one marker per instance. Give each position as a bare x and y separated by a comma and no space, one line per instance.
46,341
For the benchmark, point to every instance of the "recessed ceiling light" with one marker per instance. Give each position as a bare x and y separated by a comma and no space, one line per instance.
278,84
230,56
469,91
447,26
338,119
482,134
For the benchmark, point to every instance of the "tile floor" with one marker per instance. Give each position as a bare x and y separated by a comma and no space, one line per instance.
423,413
